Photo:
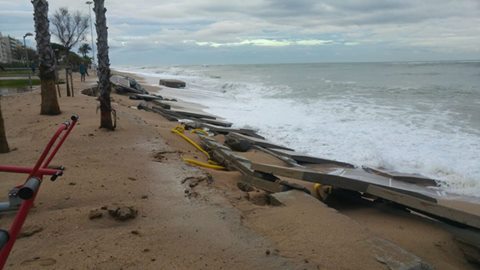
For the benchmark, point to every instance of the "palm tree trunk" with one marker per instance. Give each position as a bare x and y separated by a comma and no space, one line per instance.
71,82
3,138
67,81
67,68
103,65
46,57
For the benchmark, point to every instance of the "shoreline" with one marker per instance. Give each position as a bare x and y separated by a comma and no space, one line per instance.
221,227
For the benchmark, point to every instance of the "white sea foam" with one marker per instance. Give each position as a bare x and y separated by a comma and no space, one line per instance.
352,127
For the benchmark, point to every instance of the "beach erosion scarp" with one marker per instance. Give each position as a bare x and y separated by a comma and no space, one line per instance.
187,218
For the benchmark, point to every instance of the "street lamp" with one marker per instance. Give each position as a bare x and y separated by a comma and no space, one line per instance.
91,30
26,57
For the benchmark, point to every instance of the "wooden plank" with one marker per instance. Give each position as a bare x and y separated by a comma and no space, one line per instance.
193,113
286,159
233,161
165,113
228,130
257,141
351,179
305,158
167,104
405,177
426,207
264,184
216,122
312,176
144,97
425,200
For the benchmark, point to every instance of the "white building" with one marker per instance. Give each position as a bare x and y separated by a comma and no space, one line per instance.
9,49
5,49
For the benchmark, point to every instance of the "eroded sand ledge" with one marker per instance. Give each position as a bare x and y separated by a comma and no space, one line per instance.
212,226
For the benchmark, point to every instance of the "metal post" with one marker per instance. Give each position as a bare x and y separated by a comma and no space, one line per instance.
91,32
26,58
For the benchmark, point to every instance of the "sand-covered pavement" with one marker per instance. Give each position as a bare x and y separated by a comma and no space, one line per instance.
187,218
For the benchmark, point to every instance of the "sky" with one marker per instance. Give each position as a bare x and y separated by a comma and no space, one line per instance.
152,32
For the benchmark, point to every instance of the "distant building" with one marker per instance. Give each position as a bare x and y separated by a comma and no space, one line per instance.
5,50
9,48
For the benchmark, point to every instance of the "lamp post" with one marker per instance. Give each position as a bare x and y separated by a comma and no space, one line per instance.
26,58
91,31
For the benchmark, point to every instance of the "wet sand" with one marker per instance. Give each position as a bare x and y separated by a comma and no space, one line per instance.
188,218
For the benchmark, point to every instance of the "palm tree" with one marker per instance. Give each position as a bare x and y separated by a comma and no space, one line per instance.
84,49
3,139
103,65
46,58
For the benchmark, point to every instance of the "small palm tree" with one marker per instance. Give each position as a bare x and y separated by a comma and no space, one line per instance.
84,49
46,58
103,65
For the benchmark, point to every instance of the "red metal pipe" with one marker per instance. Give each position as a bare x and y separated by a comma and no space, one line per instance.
19,169
15,229
60,129
59,144
37,172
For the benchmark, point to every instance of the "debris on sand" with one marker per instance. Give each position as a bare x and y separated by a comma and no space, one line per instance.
195,180
191,194
123,213
162,155
28,231
94,214
245,187
258,197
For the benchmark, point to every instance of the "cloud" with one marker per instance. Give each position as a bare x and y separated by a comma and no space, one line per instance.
428,25
263,43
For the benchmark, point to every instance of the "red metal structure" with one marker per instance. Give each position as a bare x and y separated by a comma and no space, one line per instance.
25,194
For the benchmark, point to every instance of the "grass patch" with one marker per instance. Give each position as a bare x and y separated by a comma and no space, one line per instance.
14,73
18,83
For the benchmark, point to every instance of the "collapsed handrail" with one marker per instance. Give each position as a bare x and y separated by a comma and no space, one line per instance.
28,191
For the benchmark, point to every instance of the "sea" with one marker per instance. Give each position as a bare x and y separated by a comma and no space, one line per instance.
413,117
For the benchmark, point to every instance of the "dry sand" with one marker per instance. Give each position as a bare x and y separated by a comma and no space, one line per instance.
203,222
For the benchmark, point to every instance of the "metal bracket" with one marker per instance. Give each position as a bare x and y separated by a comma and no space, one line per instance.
13,201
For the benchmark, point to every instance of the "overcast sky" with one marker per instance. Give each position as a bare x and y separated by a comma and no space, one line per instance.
146,32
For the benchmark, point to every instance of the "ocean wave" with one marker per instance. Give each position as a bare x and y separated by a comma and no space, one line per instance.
404,128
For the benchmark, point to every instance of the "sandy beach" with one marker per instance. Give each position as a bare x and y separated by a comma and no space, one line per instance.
187,217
